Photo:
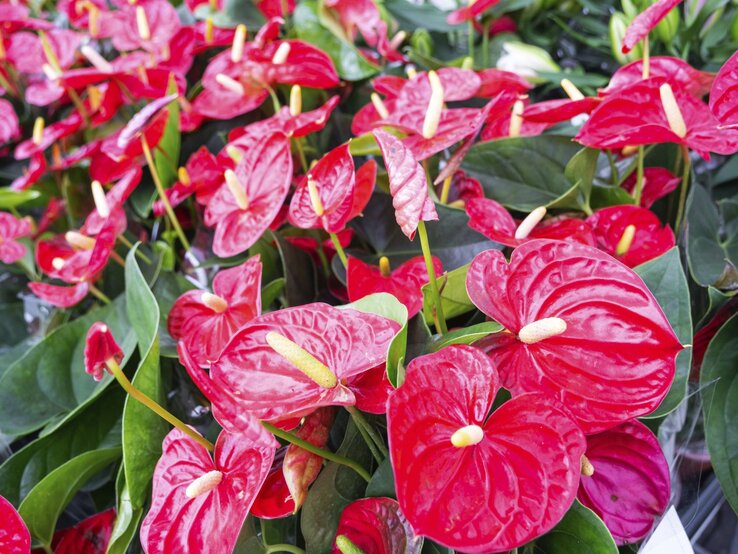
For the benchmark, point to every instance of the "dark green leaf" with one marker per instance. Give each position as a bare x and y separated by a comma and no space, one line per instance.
411,16
383,481
454,299
42,506
467,335
581,170
606,196
719,386
665,278
126,520
301,280
580,531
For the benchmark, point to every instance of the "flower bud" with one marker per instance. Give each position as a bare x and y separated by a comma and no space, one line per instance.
203,484
526,60
308,364
236,188
541,330
100,349
467,436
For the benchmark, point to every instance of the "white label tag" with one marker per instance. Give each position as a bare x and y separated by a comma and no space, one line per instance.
669,537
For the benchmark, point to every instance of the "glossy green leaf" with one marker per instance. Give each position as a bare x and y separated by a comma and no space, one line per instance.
606,196
350,64
271,291
383,481
388,306
127,519
10,198
166,154
712,237
43,505
467,335
527,172
581,171
454,299
580,531
410,16
665,278
719,389
49,382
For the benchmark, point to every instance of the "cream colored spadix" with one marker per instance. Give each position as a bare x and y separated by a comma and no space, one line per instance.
384,266
587,467
101,202
435,106
216,303
79,241
308,364
94,57
516,119
205,483
280,56
571,90
410,71
379,106
467,436
626,241
57,263
673,113
38,130
315,200
530,222
239,39
541,330
230,83
295,100
236,188
144,31
397,40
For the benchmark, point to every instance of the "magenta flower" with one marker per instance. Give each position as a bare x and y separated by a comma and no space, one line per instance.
11,229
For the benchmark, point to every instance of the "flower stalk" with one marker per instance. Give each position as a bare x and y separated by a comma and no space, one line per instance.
433,280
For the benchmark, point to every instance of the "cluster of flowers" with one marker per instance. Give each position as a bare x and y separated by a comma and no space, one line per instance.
584,348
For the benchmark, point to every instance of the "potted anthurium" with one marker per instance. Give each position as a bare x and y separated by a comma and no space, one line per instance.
352,277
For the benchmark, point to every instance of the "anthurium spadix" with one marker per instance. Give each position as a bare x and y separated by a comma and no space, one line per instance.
287,363
581,327
473,481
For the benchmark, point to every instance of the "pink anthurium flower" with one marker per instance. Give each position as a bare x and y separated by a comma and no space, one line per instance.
89,536
645,21
325,195
11,229
287,363
581,327
109,206
632,234
492,220
9,126
249,200
628,485
362,16
657,183
723,93
35,170
199,503
377,525
408,184
404,282
206,321
148,26
14,535
516,469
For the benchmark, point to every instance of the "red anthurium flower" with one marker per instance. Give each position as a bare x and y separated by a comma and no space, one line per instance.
12,228
275,8
559,111
362,16
249,200
199,504
14,535
678,73
89,536
100,346
462,190
274,500
51,134
27,55
724,91
206,321
495,81
470,12
517,470
35,170
325,195
492,220
651,112
645,22
506,119
630,486
378,526
109,206
287,363
632,234
405,282
408,185
149,26
9,126
657,183
705,334
371,389
60,296
582,328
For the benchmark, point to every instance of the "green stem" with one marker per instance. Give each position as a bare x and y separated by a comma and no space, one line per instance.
284,548
485,42
297,141
326,454
128,244
275,100
100,295
639,177
614,175
153,406
425,246
360,422
160,190
471,40
683,190
339,249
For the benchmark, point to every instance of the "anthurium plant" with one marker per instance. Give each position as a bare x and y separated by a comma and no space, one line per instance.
362,276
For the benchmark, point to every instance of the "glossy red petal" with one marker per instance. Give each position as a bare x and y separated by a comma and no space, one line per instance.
100,346
12,228
36,169
366,178
724,94
468,13
645,22
163,23
266,174
559,111
274,500
305,65
651,238
115,198
615,359
9,126
263,383
675,71
657,183
495,81
53,133
336,183
60,296
361,15
205,331
454,126
408,184
631,485
372,389
377,525
211,521
14,535
404,283
89,536
511,486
